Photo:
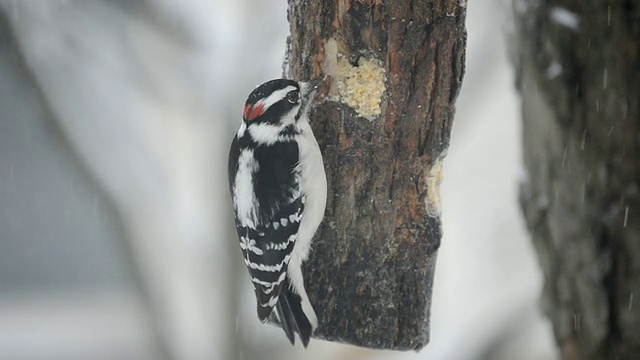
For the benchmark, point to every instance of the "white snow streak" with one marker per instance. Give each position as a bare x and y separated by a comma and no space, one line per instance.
565,18
554,70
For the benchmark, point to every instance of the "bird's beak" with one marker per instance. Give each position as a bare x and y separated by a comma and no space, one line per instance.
309,90
315,84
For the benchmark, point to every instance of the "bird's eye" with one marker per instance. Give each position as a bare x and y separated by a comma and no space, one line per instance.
293,97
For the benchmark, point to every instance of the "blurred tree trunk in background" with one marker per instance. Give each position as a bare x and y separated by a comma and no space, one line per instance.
394,71
578,70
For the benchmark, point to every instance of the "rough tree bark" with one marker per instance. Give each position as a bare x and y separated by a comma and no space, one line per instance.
393,70
578,69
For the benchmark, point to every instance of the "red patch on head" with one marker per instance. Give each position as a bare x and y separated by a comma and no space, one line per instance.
251,112
246,110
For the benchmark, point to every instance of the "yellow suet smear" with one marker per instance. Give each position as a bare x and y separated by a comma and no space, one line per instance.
361,87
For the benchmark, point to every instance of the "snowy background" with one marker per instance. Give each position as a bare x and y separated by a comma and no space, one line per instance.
115,230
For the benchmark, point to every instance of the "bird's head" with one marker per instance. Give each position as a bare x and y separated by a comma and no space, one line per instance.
274,106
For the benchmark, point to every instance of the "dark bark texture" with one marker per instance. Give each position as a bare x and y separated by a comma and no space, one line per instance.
370,274
578,70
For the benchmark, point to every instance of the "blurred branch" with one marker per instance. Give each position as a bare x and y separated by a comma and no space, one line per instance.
118,90
20,66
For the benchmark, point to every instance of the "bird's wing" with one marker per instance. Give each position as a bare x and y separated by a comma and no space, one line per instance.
268,238
267,250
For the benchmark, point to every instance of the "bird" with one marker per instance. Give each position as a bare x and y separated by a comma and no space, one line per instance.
278,188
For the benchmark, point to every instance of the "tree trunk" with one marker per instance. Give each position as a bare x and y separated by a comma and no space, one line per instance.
578,71
393,70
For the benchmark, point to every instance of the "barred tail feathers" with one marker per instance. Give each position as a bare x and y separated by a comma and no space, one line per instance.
292,317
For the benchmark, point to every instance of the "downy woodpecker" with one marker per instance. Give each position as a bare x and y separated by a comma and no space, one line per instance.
279,189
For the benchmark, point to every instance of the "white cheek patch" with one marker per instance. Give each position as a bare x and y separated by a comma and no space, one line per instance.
269,134
264,133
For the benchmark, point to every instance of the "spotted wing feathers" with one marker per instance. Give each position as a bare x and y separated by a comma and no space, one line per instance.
267,251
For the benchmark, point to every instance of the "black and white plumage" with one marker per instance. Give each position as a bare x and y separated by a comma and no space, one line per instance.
278,189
